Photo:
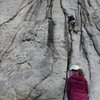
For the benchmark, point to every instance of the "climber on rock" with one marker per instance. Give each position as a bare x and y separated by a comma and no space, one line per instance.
71,24
77,86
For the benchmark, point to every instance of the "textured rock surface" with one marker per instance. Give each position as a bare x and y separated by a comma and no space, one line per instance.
36,48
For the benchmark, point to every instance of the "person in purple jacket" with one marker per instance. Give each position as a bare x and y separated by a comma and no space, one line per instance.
77,86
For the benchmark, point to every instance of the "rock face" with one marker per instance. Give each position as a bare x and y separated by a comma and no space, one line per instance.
36,47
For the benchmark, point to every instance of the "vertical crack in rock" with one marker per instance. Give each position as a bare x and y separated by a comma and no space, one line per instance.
51,26
81,28
49,9
85,12
82,45
82,42
68,35
91,37
70,50
68,41
50,41
86,54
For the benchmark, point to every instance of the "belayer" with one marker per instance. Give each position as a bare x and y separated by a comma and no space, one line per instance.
77,86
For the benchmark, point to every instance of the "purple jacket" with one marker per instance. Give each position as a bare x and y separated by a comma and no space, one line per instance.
77,87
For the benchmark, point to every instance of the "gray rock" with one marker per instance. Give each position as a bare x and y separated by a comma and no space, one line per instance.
36,48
